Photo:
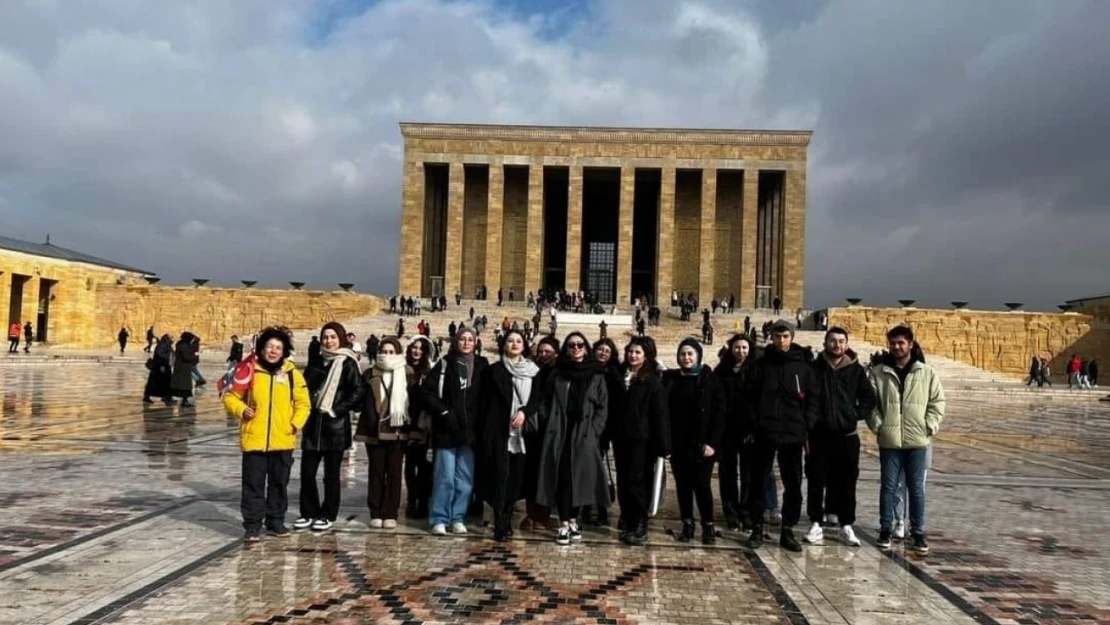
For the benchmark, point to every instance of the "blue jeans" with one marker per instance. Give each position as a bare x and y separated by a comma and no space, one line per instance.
900,492
452,482
772,493
894,464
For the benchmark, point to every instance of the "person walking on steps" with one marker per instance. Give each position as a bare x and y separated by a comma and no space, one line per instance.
832,466
336,389
785,399
697,406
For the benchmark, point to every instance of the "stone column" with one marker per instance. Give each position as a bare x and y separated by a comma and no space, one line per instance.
794,240
574,230
494,224
749,238
624,235
664,270
411,278
708,244
533,263
456,182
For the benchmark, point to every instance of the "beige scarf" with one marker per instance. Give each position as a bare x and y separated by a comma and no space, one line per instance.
325,396
395,385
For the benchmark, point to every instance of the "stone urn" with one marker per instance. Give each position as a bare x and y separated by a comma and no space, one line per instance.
346,286
249,283
200,281
959,305
906,303
152,280
296,285
1013,306
854,301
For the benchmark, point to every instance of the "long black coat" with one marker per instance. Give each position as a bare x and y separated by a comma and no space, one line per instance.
455,412
645,415
158,380
324,433
492,444
181,381
698,419
588,482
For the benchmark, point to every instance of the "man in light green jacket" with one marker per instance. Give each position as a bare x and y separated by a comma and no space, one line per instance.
906,417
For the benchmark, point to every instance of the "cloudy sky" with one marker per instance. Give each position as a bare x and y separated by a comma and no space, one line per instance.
960,148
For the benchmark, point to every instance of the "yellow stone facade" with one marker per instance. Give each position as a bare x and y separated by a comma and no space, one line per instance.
705,240
1004,342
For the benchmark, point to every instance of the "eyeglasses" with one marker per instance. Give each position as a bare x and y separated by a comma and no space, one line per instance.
576,345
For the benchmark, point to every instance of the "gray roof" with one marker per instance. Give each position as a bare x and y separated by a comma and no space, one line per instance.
1087,299
49,250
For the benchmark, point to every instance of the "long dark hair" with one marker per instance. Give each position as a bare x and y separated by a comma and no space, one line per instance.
564,354
615,358
338,328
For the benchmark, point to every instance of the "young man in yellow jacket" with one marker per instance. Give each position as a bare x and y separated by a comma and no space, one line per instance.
269,397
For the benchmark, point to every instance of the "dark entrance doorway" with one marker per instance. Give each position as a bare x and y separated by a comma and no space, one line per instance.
555,196
46,288
15,303
601,195
645,226
601,263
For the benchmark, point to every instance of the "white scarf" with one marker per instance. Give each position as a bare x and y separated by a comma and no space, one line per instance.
395,385
325,395
522,372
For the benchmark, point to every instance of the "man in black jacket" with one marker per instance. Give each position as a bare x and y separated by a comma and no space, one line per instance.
832,466
783,393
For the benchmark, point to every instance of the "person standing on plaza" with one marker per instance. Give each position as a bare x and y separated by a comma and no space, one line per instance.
384,427
785,399
832,466
545,354
271,401
421,357
451,394
122,338
572,419
510,402
184,359
606,354
641,433
336,388
150,339
1092,368
235,354
696,401
13,338
909,410
161,367
28,335
735,453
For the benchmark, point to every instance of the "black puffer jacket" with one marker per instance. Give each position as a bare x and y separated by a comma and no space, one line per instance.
454,412
697,410
847,396
645,416
784,396
324,433
738,420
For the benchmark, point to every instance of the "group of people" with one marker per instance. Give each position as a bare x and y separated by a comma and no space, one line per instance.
540,422
173,370
14,334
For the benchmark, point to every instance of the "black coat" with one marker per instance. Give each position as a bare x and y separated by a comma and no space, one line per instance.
158,380
181,381
454,412
697,418
847,396
492,445
589,485
324,433
645,416
738,410
784,395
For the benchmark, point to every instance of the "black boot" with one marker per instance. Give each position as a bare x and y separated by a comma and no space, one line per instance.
787,540
755,541
638,536
708,534
687,531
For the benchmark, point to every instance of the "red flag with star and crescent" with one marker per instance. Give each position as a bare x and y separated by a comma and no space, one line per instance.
240,380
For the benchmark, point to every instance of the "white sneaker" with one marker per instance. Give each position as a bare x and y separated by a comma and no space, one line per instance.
439,529
376,524
302,524
816,535
321,525
848,536
900,530
458,528
389,524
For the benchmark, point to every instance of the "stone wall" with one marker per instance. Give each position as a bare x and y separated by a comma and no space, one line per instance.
215,314
996,341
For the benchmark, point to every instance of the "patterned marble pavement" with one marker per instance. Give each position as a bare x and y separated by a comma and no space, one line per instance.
119,513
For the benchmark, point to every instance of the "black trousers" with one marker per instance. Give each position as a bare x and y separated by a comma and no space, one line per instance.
790,469
384,484
418,472
635,471
311,506
265,488
506,491
733,474
832,471
13,345
564,487
692,478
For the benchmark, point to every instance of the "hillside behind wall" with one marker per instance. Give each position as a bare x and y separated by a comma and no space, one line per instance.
995,341
215,314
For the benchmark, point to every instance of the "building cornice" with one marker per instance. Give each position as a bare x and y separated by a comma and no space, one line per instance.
586,134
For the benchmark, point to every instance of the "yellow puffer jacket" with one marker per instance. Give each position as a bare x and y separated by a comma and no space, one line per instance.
281,406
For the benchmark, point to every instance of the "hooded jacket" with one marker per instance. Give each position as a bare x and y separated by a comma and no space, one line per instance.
281,406
847,396
908,414
784,396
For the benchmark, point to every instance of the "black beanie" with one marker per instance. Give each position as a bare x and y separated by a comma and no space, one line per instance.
692,342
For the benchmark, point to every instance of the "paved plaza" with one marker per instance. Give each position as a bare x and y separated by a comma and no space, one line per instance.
116,512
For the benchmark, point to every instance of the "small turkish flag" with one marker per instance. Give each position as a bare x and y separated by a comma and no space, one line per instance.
242,378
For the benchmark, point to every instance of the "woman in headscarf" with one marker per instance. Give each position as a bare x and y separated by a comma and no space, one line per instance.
572,418
697,407
544,355
335,384
450,394
735,454
421,357
510,401
160,365
185,358
384,426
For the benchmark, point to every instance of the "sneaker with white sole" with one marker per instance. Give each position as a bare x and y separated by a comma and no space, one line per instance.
302,524
389,524
848,536
575,532
562,537
458,528
883,543
439,529
816,535
376,524
899,530
321,525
